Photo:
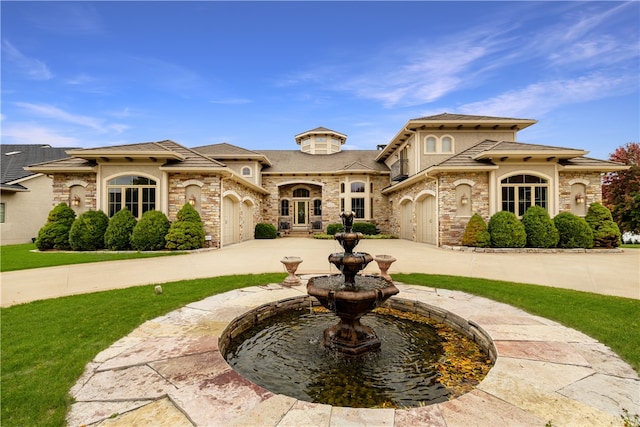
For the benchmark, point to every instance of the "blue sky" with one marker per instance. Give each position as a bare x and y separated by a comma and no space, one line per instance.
254,74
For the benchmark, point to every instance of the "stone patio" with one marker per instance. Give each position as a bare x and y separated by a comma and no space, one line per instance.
169,372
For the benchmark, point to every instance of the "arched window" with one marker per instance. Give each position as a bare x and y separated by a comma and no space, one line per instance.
284,207
434,144
246,171
300,192
137,193
430,144
519,192
447,144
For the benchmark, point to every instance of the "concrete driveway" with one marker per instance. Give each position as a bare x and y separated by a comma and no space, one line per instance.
615,274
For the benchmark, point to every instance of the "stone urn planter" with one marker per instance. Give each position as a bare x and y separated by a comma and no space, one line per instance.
291,263
384,262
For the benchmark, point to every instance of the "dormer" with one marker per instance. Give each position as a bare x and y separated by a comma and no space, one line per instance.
320,141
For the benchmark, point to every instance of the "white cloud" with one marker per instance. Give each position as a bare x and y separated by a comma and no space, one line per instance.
26,133
55,113
32,68
539,98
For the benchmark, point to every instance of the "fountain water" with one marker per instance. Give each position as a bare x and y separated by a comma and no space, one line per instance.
350,295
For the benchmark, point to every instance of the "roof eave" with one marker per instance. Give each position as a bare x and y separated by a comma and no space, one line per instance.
592,168
45,170
560,154
124,154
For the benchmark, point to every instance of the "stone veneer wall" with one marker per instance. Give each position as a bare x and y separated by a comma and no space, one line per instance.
209,201
452,225
244,192
62,191
330,194
593,193
411,192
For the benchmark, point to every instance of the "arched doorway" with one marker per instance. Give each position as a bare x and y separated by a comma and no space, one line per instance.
426,219
406,220
230,223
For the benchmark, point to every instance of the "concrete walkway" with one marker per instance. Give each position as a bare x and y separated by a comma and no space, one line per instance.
615,274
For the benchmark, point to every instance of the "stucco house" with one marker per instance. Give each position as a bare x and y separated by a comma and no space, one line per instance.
423,185
25,196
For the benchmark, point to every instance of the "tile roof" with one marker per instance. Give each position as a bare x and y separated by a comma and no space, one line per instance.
290,161
224,149
466,117
192,159
14,157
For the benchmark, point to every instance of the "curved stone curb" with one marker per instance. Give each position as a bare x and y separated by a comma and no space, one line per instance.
169,372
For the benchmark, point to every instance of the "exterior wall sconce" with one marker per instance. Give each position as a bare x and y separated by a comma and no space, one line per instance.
76,201
464,200
192,201
579,198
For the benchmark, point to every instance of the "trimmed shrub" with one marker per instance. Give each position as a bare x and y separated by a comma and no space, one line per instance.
334,228
149,233
476,233
364,228
55,233
187,232
506,231
264,230
606,233
541,232
87,231
573,231
118,234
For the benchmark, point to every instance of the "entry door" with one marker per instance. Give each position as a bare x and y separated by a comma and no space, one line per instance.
300,212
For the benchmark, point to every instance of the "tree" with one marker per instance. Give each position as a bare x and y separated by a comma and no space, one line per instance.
621,190
506,231
606,233
476,233
149,233
87,231
55,233
541,231
187,232
118,234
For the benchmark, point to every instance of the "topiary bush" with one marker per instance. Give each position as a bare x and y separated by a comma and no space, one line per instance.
87,231
573,231
264,230
334,228
540,229
55,233
506,231
118,234
149,233
606,233
476,233
187,232
364,228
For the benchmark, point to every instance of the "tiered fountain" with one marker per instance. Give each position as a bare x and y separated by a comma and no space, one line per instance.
350,295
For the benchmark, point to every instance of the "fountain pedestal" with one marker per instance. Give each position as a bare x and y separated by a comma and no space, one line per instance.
350,296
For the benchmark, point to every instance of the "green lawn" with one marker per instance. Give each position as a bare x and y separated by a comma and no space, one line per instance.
21,257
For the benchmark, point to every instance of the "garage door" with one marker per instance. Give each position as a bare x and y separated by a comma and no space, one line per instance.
230,228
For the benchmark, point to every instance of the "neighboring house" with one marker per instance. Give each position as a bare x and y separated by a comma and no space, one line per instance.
26,196
424,185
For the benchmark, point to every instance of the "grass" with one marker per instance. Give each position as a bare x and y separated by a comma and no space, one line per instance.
611,320
21,257
46,344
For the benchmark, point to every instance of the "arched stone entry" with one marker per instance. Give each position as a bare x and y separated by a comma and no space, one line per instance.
426,219
406,219
230,223
300,207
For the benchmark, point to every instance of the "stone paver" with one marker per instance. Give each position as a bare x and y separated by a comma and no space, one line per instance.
169,372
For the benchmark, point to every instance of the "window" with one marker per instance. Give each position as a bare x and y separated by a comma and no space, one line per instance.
447,144
342,187
317,207
430,145
137,193
357,187
2,208
434,144
357,206
246,171
300,192
284,207
519,192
